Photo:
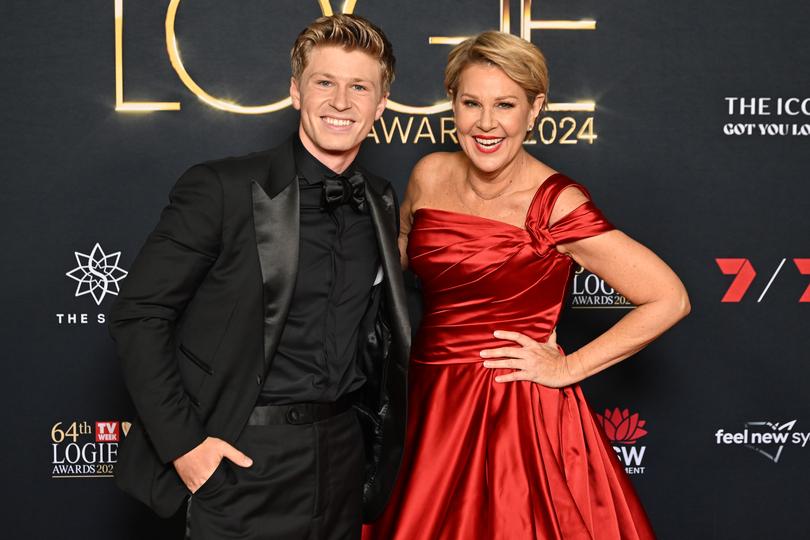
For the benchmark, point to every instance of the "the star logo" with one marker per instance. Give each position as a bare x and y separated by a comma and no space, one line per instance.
98,274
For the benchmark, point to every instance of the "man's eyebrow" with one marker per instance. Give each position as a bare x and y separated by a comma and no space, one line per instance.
331,76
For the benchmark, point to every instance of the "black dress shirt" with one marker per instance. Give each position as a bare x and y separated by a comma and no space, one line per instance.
337,266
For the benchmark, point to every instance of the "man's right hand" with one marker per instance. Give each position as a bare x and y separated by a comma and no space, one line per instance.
197,465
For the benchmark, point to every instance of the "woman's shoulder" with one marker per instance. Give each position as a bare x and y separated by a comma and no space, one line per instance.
438,163
435,169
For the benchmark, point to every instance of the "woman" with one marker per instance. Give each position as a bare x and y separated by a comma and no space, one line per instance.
502,444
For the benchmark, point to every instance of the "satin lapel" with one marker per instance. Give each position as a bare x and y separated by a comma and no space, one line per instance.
383,215
276,221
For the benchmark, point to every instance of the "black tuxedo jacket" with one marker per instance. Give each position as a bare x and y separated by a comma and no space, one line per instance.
199,317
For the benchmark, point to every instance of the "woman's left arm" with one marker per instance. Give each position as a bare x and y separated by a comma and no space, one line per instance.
631,269
645,280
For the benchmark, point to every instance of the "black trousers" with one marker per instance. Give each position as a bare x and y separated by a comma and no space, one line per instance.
306,483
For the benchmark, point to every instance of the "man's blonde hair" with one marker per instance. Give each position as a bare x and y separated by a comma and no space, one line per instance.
351,32
520,60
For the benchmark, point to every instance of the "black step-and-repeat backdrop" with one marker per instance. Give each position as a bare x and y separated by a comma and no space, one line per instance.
689,121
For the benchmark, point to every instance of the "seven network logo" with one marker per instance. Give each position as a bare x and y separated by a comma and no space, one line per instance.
625,430
744,274
768,439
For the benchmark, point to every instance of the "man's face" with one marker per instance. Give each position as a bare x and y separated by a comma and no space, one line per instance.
339,95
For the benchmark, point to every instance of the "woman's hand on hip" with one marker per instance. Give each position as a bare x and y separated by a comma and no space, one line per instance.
541,363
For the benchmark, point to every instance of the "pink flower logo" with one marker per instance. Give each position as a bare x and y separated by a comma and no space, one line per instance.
622,427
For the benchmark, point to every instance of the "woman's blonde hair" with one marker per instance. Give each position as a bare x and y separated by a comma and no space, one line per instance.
351,32
520,60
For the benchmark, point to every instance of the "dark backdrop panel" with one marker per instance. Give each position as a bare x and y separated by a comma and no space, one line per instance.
675,163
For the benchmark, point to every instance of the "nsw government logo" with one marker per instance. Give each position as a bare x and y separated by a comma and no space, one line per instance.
97,275
589,291
81,449
769,439
625,430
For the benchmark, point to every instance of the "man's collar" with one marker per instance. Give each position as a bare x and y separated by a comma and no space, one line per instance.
309,168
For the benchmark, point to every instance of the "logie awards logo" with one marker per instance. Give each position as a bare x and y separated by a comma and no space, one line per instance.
589,291
80,449
566,123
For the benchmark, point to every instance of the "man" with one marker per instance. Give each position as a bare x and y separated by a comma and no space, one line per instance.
264,320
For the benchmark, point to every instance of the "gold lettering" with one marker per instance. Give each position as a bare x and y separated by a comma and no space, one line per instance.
527,24
373,134
451,133
218,103
577,106
442,106
505,26
326,7
546,120
565,139
561,131
424,131
120,104
396,126
586,131
526,27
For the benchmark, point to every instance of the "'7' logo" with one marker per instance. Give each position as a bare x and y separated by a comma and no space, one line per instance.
744,270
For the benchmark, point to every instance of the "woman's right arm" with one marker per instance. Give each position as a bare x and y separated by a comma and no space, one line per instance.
414,197
405,222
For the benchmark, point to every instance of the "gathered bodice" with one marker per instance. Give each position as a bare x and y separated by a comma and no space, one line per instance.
480,275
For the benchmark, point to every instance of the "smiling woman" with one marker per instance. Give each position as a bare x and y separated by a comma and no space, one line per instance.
501,443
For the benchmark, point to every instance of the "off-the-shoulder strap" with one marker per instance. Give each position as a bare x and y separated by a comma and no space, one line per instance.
584,221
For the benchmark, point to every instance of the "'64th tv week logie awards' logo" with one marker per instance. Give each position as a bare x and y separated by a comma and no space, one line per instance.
625,431
82,449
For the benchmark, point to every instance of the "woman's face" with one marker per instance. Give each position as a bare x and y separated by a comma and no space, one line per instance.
492,116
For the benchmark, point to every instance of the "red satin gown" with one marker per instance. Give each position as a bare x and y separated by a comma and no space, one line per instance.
487,460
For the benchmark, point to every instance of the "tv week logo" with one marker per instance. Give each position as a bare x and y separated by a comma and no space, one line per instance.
745,274
107,432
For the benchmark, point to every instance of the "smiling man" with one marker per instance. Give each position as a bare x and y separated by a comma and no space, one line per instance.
262,328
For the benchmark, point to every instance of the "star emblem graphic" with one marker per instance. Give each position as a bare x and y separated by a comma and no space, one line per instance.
98,274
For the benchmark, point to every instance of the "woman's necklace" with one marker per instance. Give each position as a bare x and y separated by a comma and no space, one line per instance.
489,197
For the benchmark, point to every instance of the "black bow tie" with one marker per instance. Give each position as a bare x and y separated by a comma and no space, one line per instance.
339,190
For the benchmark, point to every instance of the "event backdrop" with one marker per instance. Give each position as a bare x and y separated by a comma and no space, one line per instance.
689,122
